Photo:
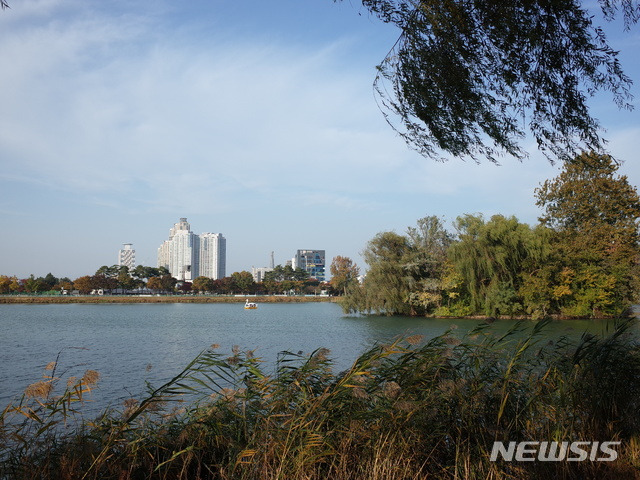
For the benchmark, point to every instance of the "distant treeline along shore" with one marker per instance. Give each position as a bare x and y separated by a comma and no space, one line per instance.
59,299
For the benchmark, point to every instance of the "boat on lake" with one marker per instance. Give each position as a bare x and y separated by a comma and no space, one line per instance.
250,305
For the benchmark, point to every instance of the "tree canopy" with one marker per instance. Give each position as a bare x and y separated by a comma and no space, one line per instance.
594,214
344,273
582,260
470,78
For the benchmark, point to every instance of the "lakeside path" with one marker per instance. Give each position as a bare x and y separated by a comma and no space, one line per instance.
44,299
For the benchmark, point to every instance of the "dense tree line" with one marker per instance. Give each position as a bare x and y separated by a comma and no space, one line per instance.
120,279
281,280
32,284
109,278
581,260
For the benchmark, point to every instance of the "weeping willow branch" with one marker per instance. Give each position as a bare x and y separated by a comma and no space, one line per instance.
472,78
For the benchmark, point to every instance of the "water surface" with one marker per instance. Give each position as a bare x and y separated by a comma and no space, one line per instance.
130,344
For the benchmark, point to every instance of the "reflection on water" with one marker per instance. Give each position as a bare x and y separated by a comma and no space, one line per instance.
382,328
132,344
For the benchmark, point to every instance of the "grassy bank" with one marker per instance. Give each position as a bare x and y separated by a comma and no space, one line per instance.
45,299
408,410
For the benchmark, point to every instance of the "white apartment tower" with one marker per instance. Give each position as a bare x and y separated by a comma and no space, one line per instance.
127,256
187,255
213,255
180,253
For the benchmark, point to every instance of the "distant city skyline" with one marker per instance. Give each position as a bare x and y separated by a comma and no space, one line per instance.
254,118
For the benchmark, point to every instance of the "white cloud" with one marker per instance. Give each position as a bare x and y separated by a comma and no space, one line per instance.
93,114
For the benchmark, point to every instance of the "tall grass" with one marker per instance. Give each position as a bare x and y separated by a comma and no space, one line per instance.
407,410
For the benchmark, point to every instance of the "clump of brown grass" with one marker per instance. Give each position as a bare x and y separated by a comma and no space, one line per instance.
39,390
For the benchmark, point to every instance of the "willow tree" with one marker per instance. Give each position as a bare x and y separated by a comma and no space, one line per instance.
404,273
386,286
491,258
471,78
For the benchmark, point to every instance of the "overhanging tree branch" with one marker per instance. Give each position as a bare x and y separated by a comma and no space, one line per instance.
470,78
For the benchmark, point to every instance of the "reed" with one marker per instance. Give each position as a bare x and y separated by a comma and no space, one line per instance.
411,409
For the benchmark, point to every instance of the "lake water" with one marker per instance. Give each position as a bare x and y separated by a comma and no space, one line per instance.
130,344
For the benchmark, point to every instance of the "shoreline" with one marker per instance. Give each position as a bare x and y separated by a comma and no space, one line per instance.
167,299
69,299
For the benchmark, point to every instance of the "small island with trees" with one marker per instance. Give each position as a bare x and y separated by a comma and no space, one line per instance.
581,260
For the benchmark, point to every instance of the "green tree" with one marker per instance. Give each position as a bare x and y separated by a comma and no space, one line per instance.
286,278
594,215
405,274
108,272
125,280
50,281
167,282
202,284
491,258
386,287
275,275
140,272
299,275
344,273
243,282
34,285
463,72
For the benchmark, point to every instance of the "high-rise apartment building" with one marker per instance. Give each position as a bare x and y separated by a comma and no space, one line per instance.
127,256
187,255
213,255
311,261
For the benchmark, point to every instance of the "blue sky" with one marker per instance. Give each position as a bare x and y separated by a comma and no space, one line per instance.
255,119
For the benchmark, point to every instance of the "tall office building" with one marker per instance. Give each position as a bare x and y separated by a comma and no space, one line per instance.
187,255
127,256
213,255
312,261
